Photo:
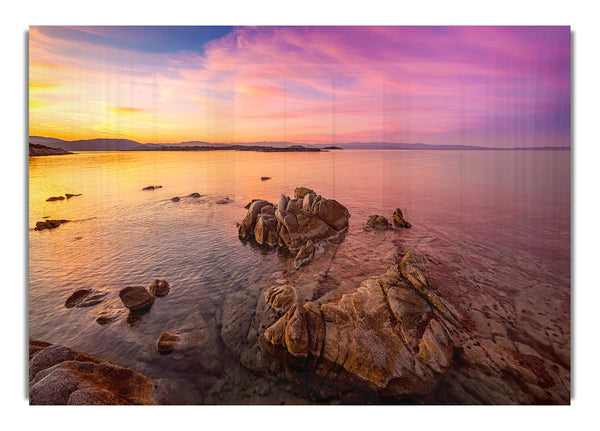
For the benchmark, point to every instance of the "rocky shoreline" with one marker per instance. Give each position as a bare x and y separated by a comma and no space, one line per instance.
404,332
43,150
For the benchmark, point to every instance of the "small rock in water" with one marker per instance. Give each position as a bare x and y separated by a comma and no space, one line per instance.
224,201
265,178
175,199
152,187
55,198
195,195
167,342
49,224
84,298
159,287
136,298
105,317
378,222
399,219
70,195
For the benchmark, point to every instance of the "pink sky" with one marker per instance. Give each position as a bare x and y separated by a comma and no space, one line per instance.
488,86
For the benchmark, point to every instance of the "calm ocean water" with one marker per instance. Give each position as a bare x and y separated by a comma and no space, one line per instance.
497,220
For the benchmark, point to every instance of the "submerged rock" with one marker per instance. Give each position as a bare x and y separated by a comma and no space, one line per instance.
152,187
195,195
85,298
292,223
378,222
167,342
224,201
175,199
399,219
136,298
55,198
70,195
59,375
159,287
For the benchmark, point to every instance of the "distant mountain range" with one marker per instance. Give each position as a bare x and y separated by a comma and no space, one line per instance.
129,145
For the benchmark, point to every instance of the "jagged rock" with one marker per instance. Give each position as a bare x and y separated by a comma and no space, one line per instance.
300,192
167,342
246,229
305,254
84,298
378,222
60,376
49,224
55,198
293,222
281,298
159,287
399,219
384,337
136,298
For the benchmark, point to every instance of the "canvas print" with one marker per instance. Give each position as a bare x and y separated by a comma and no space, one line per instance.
313,215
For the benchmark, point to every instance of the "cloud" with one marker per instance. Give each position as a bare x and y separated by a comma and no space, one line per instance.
426,84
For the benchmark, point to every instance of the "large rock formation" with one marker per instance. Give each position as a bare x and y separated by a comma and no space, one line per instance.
59,375
391,337
294,223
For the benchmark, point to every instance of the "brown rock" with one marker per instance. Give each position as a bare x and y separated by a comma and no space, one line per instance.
136,298
175,199
378,222
333,213
300,192
84,298
55,198
384,336
281,298
151,187
399,219
167,342
70,195
49,224
305,254
159,287
59,376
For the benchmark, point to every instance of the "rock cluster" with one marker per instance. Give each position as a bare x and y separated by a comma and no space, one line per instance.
294,223
391,336
59,375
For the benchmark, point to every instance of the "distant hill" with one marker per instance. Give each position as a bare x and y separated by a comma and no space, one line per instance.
129,145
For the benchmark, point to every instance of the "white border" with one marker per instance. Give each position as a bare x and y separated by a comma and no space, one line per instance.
19,15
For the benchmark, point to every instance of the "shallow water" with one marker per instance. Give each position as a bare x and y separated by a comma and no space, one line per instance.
497,222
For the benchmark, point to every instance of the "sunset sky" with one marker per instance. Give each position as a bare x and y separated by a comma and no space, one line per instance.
488,86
